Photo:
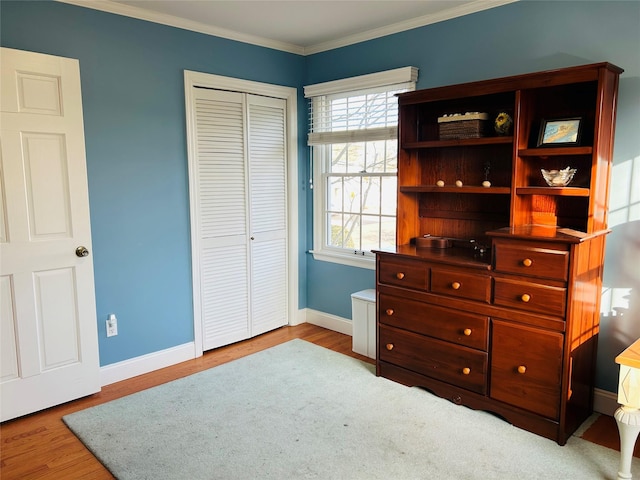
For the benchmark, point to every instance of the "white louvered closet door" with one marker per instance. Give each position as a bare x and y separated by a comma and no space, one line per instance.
268,208
241,200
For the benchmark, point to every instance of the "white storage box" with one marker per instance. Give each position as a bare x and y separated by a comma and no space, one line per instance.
363,314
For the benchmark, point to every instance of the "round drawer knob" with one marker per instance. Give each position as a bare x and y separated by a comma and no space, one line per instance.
527,262
389,346
525,297
399,275
456,285
466,370
522,369
467,331
389,311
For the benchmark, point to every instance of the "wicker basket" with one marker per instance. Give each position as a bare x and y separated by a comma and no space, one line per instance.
456,127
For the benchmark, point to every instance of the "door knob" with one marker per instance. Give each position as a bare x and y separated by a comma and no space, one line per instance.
82,251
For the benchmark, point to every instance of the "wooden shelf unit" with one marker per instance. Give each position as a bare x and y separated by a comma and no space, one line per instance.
506,325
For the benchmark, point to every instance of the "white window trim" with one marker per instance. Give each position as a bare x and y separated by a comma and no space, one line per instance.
320,251
362,82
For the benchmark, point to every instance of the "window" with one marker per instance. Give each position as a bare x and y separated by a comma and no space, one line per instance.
353,135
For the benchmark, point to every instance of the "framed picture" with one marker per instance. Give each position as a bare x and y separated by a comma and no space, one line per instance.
560,132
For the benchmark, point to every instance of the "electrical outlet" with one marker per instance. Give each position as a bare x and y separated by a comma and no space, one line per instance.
112,325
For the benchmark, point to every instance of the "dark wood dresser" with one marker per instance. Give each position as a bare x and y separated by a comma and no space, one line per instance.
502,314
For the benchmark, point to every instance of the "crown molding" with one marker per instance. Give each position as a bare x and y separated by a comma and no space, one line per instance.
477,6
172,21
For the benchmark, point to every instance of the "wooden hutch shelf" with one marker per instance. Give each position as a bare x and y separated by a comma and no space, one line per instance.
461,190
457,143
544,152
551,191
504,315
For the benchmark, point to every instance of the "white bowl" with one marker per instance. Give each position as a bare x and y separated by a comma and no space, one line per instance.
558,178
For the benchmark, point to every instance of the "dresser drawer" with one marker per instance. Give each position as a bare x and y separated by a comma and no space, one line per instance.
403,273
461,366
468,329
531,259
526,368
469,286
532,297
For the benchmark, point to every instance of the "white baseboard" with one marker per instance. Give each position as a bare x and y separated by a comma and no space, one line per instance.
133,367
301,317
605,402
326,320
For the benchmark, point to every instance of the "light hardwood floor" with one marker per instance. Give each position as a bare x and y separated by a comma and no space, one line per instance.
40,446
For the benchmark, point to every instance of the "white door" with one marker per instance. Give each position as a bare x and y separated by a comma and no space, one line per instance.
241,212
267,212
49,343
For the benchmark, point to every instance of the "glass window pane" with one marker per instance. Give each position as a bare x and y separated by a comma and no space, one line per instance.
357,112
376,156
338,119
388,233
338,161
370,232
371,195
388,198
360,203
334,194
377,110
391,156
356,157
352,197
335,230
352,232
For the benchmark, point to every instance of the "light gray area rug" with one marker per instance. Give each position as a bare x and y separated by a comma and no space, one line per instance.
299,411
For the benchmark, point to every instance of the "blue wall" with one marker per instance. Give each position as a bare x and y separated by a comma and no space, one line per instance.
522,37
134,115
133,96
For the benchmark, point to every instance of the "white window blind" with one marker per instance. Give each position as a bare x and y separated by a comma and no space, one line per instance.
353,134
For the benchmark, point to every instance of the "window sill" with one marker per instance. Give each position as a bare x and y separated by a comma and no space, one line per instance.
351,260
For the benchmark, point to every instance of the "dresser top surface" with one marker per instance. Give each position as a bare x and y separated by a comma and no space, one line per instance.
630,357
464,257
